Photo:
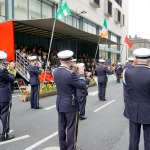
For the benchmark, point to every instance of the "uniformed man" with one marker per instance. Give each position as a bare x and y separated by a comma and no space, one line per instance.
82,94
35,70
137,103
129,64
101,72
5,97
67,103
118,71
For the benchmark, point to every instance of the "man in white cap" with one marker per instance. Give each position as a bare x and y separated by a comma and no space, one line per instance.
5,97
129,64
137,102
34,72
118,71
67,104
101,72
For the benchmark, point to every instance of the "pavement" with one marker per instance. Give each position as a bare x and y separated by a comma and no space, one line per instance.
104,129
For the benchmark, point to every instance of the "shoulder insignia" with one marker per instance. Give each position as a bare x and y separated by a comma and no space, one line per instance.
66,69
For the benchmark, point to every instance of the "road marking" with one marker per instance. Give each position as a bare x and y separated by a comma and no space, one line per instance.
10,131
15,139
16,95
42,141
49,108
104,105
93,93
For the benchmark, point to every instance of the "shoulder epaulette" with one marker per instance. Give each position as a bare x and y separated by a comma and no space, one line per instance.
66,69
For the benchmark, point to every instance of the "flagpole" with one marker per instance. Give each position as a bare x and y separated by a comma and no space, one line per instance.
97,46
50,47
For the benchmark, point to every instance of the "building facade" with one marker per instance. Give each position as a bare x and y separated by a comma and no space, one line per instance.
138,42
87,15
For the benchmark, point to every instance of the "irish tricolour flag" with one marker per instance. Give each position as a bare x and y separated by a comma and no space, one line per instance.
63,10
104,31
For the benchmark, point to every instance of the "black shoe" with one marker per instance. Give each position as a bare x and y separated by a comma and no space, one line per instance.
8,137
82,117
38,108
104,100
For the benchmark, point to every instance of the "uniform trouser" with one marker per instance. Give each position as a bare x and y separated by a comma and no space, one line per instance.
135,130
118,78
34,97
68,128
5,117
101,90
82,104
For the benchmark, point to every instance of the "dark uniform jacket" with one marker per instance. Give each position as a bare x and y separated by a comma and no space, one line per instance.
67,83
101,72
34,74
129,66
118,69
5,89
83,92
137,104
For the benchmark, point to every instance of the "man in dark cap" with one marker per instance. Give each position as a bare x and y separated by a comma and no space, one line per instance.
137,100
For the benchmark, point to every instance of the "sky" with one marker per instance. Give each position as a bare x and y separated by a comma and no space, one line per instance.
139,18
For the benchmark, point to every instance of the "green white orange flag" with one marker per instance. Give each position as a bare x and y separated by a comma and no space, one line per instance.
63,10
104,31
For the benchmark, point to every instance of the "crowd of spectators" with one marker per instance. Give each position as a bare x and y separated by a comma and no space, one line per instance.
53,62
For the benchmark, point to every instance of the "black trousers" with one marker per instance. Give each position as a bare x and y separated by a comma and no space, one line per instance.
135,130
34,97
82,104
102,90
68,128
118,78
5,117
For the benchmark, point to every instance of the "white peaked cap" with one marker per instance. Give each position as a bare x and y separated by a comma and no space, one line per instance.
65,55
101,60
131,59
73,60
142,53
32,58
3,55
80,65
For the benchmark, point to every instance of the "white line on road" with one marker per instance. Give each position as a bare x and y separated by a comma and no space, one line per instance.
104,105
15,139
10,131
42,141
49,108
16,95
93,93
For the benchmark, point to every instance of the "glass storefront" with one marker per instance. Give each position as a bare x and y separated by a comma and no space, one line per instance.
2,10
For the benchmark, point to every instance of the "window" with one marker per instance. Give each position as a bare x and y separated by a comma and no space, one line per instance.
2,10
119,16
109,7
97,2
46,11
20,9
34,9
119,2
89,27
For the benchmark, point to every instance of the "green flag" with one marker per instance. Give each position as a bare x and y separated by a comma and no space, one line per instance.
63,10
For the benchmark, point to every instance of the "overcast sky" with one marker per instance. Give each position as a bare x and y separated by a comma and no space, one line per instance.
139,18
